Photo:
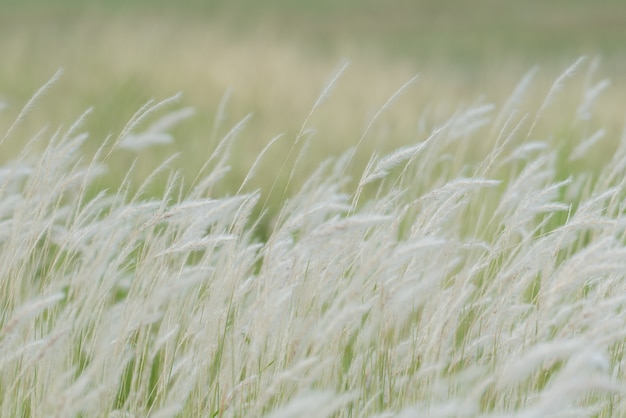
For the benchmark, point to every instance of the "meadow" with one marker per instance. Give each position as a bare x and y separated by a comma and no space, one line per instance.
350,209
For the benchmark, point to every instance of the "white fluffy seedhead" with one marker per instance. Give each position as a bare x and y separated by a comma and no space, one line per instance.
462,284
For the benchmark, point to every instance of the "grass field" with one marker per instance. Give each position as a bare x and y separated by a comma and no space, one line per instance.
274,60
336,237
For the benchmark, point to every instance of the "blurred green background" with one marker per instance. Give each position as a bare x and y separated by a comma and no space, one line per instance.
273,58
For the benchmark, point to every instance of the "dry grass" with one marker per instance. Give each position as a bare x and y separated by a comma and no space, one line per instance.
475,273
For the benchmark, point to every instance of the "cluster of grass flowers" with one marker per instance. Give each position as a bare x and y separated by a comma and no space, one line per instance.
436,284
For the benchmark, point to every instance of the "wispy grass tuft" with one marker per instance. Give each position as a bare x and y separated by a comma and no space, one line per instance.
472,280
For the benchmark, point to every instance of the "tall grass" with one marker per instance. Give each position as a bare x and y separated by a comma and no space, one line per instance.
446,281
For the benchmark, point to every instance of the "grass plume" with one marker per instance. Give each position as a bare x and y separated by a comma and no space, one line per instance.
462,284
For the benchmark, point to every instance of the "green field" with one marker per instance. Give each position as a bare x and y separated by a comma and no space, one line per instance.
274,59
368,208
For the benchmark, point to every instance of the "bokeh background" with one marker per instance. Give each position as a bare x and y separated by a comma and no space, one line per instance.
273,58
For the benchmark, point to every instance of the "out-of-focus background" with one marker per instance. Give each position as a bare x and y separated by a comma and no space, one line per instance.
273,58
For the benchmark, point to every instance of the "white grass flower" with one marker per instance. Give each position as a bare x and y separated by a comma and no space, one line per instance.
482,277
